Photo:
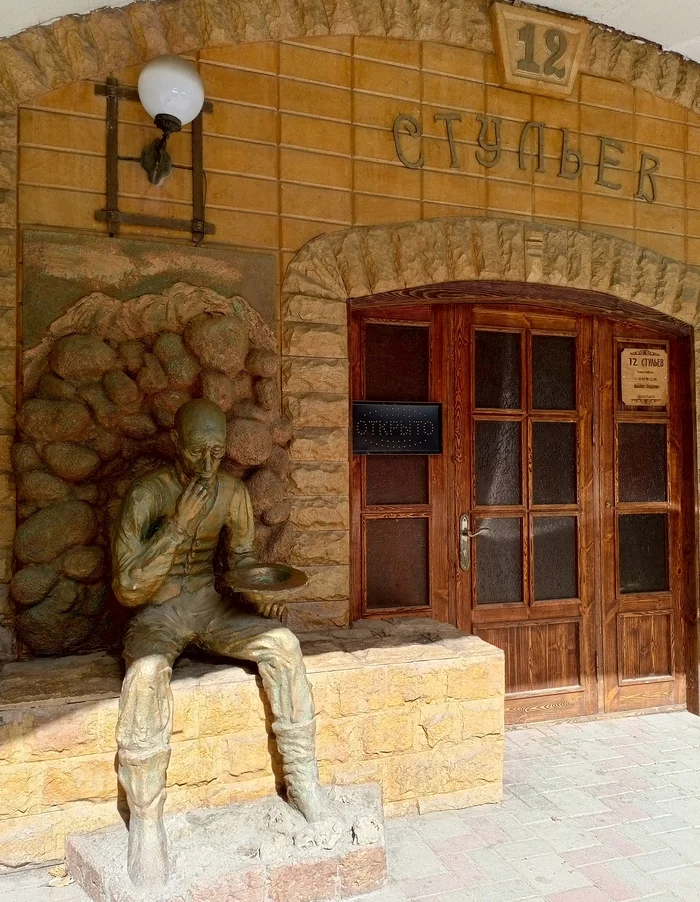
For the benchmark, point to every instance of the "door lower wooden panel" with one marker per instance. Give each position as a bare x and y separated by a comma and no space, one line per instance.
540,655
645,643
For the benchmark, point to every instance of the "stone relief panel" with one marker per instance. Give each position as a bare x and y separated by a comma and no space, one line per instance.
101,389
59,269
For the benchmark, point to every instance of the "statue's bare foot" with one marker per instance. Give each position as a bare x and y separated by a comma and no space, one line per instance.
147,861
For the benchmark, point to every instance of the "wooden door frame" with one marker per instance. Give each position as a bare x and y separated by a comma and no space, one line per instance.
440,501
564,300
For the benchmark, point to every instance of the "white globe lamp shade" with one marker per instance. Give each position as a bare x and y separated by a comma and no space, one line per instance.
171,86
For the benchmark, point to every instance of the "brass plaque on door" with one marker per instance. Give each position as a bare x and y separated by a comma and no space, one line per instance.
644,377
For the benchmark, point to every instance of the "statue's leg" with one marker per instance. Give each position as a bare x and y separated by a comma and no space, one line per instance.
276,651
143,739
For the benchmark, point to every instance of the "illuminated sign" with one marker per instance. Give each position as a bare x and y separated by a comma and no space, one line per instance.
396,428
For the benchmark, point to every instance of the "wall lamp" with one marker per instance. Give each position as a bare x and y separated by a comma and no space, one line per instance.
172,93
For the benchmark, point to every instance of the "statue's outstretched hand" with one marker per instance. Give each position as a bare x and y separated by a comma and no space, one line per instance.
264,605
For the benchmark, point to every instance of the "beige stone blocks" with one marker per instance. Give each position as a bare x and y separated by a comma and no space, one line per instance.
305,308
320,547
319,478
319,444
321,513
314,340
423,718
317,409
300,375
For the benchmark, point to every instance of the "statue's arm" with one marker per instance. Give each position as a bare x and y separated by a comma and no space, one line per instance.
241,535
141,560
240,529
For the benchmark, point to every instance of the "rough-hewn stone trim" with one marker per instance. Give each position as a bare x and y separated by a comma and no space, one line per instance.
374,259
106,40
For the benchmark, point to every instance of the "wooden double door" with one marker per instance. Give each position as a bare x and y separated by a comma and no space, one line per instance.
558,523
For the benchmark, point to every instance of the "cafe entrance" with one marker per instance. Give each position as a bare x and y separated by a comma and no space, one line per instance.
558,521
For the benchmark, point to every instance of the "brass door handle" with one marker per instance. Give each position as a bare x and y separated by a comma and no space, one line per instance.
465,537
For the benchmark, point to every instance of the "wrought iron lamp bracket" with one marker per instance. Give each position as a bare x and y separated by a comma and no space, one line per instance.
111,214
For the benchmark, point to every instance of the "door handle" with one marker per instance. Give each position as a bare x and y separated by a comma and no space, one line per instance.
465,537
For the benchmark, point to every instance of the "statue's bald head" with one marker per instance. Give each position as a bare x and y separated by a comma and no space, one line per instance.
200,437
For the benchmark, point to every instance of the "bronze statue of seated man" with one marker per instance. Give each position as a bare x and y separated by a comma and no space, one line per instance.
169,527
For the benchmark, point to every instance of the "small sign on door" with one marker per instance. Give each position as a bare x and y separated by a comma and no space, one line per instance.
644,377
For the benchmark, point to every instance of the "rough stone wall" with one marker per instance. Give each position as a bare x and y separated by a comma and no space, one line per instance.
414,706
101,393
106,40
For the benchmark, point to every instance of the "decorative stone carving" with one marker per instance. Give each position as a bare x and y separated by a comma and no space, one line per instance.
106,40
375,259
115,373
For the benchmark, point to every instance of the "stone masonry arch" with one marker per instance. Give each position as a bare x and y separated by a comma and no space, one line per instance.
334,268
106,40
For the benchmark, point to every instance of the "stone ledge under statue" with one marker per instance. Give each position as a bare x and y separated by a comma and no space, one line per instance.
412,704
251,852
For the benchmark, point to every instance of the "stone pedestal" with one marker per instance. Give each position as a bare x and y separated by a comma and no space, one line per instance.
259,851
413,705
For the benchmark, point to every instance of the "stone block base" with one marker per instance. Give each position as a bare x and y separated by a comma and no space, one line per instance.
413,705
252,852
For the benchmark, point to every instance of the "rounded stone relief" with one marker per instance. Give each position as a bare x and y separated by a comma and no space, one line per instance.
101,393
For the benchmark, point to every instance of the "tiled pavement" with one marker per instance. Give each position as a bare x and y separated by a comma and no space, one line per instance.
593,812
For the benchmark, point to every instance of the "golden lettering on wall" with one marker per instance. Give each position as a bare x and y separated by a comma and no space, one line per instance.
488,134
538,52
644,374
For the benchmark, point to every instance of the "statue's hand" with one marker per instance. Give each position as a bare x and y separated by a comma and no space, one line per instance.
265,606
190,504
273,610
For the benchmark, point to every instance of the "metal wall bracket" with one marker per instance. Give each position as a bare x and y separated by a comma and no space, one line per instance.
111,214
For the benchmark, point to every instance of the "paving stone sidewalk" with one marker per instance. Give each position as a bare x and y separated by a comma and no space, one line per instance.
597,811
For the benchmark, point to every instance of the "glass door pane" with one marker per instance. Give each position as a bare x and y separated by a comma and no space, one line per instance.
641,454
499,561
397,563
643,553
497,462
556,558
553,372
497,362
553,463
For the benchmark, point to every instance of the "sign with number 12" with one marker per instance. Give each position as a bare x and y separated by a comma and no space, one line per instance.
540,53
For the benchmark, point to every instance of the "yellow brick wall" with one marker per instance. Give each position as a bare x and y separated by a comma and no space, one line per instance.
300,143
423,720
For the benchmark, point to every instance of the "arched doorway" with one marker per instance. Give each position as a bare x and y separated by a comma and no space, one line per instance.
543,270
557,523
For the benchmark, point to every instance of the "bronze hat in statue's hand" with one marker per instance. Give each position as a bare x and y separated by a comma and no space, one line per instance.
264,578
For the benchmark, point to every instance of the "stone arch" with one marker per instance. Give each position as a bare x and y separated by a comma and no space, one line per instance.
333,268
106,40
371,260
